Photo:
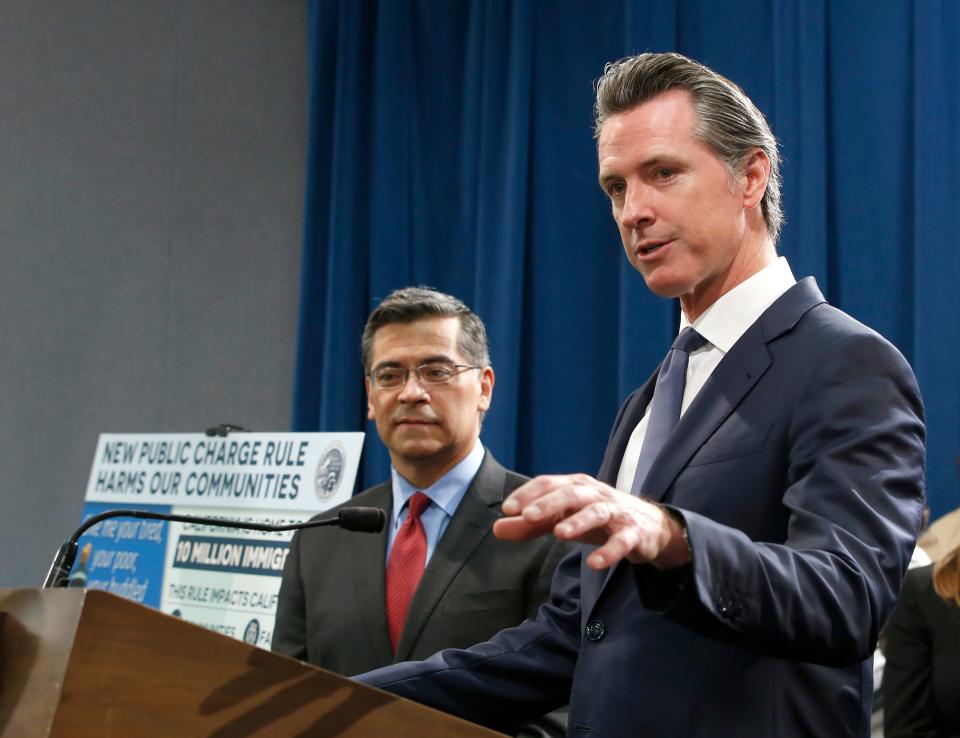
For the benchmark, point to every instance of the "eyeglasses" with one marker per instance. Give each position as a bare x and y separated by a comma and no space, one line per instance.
430,374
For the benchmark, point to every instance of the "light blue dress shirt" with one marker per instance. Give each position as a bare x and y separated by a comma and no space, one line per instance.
445,494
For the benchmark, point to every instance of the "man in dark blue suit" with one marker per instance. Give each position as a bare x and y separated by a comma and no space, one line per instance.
739,559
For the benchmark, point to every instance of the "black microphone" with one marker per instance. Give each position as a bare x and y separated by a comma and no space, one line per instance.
224,429
361,519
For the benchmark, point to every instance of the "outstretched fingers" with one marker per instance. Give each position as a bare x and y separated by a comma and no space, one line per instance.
539,505
577,507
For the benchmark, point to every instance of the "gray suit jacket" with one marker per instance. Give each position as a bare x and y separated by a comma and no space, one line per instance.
331,607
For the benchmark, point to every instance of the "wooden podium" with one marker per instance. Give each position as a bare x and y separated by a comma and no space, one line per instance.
84,663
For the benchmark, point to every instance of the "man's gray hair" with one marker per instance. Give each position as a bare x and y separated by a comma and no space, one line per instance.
411,304
728,121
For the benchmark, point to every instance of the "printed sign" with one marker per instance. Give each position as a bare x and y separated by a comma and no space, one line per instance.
275,471
225,579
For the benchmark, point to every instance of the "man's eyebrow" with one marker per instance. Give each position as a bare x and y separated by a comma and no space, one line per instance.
656,159
435,359
604,179
648,163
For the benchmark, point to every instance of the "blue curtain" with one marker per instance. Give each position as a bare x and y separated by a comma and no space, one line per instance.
451,145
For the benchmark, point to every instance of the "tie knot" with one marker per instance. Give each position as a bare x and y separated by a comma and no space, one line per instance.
418,503
689,341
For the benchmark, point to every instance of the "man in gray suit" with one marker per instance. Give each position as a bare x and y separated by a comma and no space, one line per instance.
436,577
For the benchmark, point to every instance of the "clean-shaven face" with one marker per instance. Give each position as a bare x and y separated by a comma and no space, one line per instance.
679,211
433,426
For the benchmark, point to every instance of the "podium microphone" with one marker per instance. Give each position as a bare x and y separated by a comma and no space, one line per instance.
361,519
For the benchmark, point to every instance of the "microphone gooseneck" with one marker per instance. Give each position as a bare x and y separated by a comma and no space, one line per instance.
360,519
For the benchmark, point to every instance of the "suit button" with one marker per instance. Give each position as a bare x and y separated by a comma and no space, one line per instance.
595,630
724,605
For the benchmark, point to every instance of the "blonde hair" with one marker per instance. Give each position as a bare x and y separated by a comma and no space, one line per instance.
946,576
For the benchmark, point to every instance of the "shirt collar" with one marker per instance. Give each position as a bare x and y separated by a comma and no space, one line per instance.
729,317
446,492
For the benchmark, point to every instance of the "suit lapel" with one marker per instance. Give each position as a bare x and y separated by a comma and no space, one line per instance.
735,375
368,581
469,525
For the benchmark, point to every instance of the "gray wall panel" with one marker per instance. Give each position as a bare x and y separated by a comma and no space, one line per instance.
151,190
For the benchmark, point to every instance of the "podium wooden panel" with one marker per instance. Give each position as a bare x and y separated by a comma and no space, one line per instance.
77,663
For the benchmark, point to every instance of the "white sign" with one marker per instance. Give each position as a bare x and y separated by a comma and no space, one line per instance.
274,471
224,579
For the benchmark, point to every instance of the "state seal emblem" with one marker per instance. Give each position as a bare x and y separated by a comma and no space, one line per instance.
329,472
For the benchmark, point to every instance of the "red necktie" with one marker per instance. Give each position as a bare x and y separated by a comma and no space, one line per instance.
405,566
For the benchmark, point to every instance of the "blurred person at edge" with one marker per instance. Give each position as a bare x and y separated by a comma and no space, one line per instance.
921,682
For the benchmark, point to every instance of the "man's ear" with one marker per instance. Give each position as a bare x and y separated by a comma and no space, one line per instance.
487,380
755,175
370,413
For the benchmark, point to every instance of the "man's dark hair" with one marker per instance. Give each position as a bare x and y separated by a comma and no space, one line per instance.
728,121
411,304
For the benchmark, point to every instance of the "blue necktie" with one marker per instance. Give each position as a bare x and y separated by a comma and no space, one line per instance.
667,399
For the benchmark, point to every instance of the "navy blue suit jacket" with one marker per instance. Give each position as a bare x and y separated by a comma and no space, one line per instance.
798,470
